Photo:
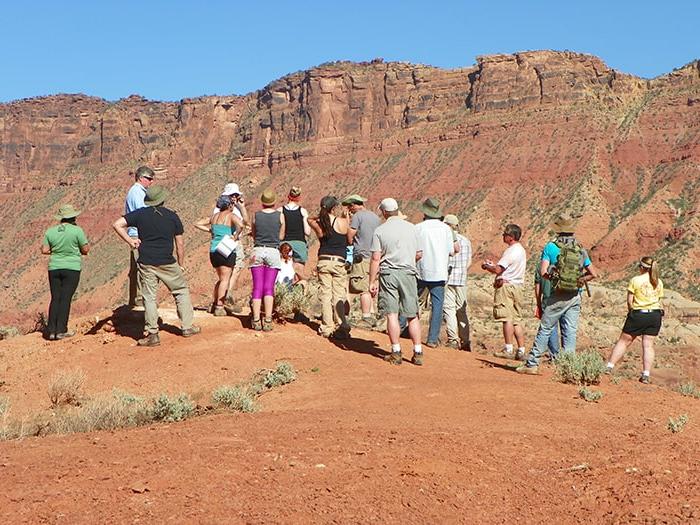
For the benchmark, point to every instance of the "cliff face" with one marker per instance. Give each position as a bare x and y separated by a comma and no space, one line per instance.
518,137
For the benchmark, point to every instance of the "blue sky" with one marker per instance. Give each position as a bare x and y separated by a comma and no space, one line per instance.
167,50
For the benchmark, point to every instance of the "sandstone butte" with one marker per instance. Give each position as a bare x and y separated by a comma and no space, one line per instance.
514,138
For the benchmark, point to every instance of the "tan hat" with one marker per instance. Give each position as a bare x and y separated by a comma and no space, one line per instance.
268,197
295,192
353,199
431,208
67,211
450,219
564,225
155,196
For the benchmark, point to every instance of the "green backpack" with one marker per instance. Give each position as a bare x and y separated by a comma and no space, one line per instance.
568,267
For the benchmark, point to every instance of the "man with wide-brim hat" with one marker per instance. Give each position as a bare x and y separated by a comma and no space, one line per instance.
143,179
160,229
565,268
67,211
363,223
438,244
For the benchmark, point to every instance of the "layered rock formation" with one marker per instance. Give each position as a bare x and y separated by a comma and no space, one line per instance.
514,138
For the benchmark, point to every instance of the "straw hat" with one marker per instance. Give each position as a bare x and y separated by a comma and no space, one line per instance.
67,211
563,225
268,197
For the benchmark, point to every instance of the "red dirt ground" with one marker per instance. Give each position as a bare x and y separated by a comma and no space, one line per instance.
456,441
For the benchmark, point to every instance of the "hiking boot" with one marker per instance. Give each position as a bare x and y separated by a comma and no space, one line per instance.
367,323
394,358
454,345
256,324
520,355
467,347
532,370
417,358
219,311
340,334
149,340
645,380
65,335
504,355
51,337
267,325
193,330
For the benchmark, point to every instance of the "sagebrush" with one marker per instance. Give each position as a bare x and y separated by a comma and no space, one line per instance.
65,387
290,300
689,390
583,368
241,397
677,424
589,395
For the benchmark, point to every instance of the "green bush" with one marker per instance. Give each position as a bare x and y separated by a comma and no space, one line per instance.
289,301
282,374
592,396
583,368
237,398
676,425
689,389
172,409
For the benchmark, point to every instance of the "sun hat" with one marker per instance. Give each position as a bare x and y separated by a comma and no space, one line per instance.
450,219
268,197
431,208
67,211
155,196
231,189
353,199
563,225
388,204
295,192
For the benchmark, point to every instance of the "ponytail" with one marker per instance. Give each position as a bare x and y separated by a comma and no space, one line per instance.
324,216
651,266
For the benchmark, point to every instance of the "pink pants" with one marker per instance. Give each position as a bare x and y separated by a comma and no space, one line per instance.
263,281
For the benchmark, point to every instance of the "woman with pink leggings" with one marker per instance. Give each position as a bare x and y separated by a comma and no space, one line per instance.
268,229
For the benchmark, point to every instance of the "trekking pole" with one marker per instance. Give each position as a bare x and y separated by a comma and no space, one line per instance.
588,290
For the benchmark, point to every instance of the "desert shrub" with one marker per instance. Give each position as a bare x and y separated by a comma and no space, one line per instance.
65,387
289,301
104,412
4,406
677,424
282,374
689,389
8,331
590,395
172,409
583,368
237,398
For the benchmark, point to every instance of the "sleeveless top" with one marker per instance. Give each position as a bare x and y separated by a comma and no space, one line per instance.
334,244
267,229
218,231
294,225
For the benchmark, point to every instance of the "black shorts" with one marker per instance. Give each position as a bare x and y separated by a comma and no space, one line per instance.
642,322
217,260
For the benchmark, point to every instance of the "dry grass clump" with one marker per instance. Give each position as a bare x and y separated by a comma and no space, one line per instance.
241,397
689,390
65,387
290,300
676,425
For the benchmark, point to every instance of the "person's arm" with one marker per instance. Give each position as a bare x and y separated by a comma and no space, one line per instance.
419,255
630,300
456,248
85,248
283,226
544,268
180,250
492,267
315,226
305,221
203,224
351,235
240,204
589,274
120,227
374,273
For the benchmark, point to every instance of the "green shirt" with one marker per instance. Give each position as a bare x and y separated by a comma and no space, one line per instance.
546,284
65,241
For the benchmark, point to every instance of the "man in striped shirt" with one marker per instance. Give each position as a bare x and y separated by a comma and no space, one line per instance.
455,306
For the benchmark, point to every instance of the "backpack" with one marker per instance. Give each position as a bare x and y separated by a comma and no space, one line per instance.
568,267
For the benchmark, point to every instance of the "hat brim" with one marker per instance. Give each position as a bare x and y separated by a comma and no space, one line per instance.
156,202
431,212
67,215
563,228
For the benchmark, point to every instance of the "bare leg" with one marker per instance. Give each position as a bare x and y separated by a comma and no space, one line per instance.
414,330
268,301
366,303
620,347
393,328
508,332
233,281
221,286
647,352
519,335
255,304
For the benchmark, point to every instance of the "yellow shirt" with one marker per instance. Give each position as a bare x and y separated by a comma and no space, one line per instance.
645,296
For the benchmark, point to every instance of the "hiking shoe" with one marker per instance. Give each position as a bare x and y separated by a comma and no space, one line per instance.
149,340
532,370
432,344
417,358
504,355
467,347
520,355
646,380
65,335
394,358
51,337
267,325
219,311
340,334
193,330
454,345
256,324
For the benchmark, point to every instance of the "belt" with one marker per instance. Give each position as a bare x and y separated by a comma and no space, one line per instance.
275,246
646,311
331,258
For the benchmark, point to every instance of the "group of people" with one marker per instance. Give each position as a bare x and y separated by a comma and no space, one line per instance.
388,262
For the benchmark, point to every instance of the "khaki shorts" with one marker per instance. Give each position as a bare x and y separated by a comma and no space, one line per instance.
359,277
508,303
398,293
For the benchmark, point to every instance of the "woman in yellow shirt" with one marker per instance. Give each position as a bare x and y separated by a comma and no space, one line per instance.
644,315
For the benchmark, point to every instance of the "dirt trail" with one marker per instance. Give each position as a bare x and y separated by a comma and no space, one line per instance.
458,440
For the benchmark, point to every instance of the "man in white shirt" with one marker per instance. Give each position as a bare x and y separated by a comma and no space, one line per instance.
508,295
135,201
437,245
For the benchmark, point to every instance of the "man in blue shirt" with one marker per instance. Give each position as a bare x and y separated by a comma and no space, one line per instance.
563,306
134,201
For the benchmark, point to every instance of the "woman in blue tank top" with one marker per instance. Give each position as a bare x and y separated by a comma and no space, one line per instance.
223,223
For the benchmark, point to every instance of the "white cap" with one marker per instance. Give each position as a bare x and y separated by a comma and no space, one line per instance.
231,189
388,204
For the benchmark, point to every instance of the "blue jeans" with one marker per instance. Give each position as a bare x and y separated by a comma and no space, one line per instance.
437,298
562,311
554,343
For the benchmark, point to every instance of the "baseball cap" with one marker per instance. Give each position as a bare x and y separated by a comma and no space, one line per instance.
353,199
451,219
231,189
388,204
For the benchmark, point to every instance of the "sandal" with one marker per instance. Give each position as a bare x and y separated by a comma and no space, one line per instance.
267,325
256,324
